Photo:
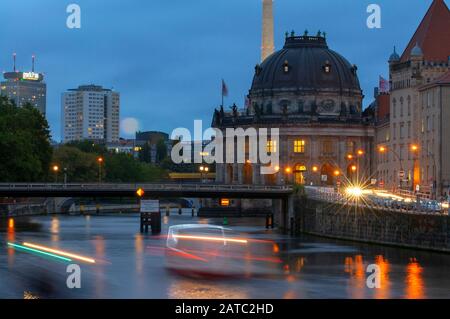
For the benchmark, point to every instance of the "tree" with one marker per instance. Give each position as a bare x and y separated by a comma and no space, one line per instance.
89,147
81,166
161,151
24,143
125,168
116,168
145,153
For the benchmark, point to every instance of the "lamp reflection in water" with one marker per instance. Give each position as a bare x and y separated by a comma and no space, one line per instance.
139,248
414,280
384,291
54,229
355,267
11,237
99,246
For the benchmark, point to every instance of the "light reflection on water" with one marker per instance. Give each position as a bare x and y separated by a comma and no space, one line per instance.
310,268
414,280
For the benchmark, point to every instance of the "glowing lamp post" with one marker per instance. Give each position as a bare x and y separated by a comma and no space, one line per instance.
203,170
55,170
100,162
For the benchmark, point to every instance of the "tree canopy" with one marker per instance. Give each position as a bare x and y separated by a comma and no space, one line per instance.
26,152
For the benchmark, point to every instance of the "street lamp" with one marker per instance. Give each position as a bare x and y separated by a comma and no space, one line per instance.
100,162
287,172
65,175
203,170
384,149
415,150
55,169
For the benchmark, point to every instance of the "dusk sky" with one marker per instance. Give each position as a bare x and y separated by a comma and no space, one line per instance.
167,57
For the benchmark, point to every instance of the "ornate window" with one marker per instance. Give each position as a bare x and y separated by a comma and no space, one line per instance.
286,67
299,146
327,67
271,146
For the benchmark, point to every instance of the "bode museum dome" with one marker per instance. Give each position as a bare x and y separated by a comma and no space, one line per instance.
312,94
306,78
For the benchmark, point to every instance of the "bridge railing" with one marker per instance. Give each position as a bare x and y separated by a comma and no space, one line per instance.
331,196
145,186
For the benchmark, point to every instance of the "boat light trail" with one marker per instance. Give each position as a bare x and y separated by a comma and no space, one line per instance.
60,252
39,252
208,238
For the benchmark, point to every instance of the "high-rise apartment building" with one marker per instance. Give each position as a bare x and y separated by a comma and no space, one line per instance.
90,112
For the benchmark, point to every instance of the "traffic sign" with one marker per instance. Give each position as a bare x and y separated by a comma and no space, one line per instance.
149,206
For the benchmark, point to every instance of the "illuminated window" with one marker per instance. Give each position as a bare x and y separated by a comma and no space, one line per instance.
327,67
286,66
271,147
299,146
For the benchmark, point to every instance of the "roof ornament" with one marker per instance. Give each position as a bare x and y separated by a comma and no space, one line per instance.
324,35
292,33
416,51
319,34
306,33
394,56
286,34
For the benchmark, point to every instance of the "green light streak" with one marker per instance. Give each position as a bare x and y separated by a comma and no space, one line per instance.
39,252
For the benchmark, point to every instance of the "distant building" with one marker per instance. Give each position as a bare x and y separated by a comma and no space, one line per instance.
148,142
125,146
25,87
90,112
415,137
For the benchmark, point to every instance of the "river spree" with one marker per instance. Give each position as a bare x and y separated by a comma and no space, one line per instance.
132,265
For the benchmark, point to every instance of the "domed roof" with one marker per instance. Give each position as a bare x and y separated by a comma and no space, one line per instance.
305,64
394,56
416,51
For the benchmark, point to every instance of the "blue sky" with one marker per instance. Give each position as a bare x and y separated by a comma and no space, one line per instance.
167,57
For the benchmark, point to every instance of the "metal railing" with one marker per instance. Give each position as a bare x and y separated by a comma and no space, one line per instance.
331,196
145,186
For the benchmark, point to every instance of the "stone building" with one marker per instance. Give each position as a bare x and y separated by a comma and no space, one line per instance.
312,94
406,162
434,135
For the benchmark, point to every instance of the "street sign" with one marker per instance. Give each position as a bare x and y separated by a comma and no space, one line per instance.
324,178
373,181
149,206
417,188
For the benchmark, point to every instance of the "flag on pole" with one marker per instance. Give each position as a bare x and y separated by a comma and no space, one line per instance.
224,88
384,85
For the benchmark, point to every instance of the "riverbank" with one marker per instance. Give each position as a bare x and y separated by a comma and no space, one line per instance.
369,225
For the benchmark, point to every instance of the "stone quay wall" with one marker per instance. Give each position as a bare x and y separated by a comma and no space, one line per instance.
377,226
